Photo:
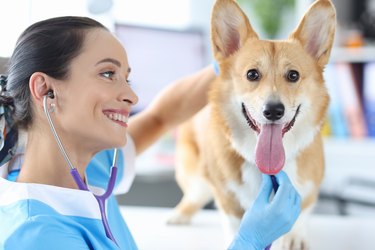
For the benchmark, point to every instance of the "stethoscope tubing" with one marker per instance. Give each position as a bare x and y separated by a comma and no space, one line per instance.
101,199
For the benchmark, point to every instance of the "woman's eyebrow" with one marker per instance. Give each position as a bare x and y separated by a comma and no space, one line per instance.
114,61
110,60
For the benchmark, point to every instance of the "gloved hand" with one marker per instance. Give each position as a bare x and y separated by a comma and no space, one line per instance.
216,68
266,221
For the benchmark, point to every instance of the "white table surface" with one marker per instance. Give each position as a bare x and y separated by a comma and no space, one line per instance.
327,232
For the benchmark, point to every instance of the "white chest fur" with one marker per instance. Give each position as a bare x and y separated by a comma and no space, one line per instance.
247,191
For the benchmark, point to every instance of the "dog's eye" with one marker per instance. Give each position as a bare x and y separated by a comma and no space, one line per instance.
253,75
292,76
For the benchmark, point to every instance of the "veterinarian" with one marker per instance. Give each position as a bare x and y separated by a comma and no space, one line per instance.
68,89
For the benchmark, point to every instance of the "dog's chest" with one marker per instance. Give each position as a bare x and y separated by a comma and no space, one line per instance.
246,191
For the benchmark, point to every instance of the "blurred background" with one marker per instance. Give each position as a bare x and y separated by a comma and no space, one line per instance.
168,39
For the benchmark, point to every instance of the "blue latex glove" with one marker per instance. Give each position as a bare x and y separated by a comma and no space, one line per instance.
216,68
266,221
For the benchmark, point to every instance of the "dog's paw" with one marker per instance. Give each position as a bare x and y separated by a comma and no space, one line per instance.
294,242
178,219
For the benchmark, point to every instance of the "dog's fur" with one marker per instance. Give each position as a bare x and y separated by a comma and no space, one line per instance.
215,153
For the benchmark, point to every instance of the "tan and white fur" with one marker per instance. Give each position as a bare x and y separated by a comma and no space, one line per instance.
216,149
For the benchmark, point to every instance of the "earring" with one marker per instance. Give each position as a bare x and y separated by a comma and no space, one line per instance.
52,107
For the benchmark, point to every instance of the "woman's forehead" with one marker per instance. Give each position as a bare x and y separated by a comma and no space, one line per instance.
99,44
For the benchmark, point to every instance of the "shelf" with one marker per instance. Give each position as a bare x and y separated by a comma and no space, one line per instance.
349,173
350,151
353,55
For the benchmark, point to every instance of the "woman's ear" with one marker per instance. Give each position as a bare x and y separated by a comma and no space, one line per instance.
39,85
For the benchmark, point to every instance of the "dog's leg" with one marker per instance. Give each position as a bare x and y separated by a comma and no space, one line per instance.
231,225
196,190
297,238
196,197
231,213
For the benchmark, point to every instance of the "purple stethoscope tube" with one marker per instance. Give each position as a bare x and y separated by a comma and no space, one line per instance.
275,186
101,199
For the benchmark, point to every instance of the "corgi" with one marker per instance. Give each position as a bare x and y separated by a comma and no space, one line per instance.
265,113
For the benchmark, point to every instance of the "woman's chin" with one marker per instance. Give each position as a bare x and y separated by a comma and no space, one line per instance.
120,143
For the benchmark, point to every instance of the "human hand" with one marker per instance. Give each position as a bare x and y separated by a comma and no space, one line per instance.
267,220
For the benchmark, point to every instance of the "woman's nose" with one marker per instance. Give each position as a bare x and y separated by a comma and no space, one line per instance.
129,95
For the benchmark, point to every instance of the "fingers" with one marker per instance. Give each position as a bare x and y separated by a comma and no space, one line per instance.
295,210
283,195
297,204
286,195
265,190
282,178
298,199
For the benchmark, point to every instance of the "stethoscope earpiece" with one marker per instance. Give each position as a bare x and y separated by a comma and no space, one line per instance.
50,94
101,199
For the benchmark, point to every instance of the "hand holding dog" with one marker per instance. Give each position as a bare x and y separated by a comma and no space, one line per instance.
267,220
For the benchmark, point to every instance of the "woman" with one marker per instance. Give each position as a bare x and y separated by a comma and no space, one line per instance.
68,88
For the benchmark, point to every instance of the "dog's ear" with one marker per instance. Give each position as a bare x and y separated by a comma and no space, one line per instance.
230,28
316,30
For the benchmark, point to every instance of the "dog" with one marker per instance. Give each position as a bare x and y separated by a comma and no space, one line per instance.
265,114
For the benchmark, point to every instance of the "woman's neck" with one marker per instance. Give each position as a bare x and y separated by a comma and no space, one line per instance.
44,163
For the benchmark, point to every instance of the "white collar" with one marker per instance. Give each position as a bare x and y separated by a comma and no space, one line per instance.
66,201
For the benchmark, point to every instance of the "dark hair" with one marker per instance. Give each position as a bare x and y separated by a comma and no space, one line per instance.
47,46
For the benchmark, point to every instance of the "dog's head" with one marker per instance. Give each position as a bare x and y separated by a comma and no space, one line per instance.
273,88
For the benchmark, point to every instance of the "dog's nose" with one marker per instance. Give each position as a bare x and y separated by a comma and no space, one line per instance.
273,111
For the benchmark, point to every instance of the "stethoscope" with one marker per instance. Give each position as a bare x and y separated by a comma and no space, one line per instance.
101,199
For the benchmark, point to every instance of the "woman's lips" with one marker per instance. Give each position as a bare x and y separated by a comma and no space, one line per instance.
118,116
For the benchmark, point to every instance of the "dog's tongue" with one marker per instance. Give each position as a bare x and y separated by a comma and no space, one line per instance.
269,152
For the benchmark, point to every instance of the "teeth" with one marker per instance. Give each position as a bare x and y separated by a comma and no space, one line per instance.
118,117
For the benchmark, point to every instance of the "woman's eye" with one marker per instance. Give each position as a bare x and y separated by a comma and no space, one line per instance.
292,76
253,75
107,74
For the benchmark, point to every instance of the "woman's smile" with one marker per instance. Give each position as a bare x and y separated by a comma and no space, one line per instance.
119,116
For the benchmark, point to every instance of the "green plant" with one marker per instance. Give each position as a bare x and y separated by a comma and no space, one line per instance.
269,13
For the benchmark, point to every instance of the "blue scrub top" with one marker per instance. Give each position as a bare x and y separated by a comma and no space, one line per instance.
38,216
